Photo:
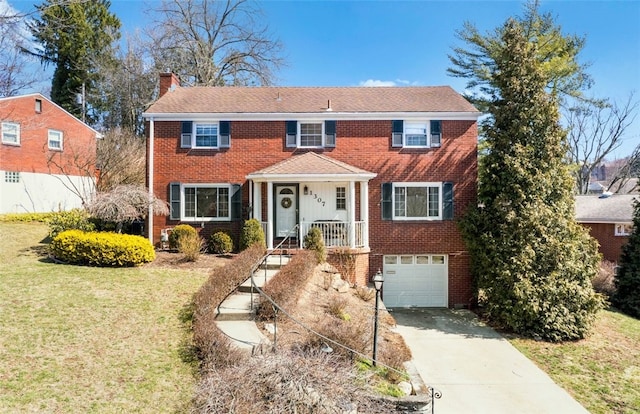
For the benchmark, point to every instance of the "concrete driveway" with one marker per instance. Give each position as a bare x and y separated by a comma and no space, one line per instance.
476,369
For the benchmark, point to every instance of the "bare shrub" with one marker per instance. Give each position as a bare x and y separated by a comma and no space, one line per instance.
338,307
354,337
190,245
365,293
604,281
287,382
285,287
345,262
395,358
327,280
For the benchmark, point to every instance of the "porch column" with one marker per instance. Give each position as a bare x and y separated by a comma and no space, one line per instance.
364,211
269,234
352,214
256,205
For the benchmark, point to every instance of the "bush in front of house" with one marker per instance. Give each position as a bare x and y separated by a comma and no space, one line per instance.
75,219
190,245
181,230
251,234
101,249
285,287
313,241
220,242
627,296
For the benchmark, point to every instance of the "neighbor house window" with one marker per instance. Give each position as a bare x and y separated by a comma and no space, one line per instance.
310,134
414,134
11,177
417,201
623,229
341,198
205,135
55,140
38,106
10,133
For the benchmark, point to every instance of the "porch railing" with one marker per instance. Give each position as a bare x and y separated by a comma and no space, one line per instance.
337,233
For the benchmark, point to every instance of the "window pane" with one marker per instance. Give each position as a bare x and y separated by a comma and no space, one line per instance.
415,135
310,135
399,199
223,202
341,198
206,135
55,139
406,259
422,259
416,201
207,202
437,259
390,259
434,201
10,133
190,202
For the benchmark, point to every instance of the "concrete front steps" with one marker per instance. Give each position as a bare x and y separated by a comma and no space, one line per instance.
236,314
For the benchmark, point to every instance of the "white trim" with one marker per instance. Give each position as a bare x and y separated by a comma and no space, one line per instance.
330,116
438,185
17,127
183,203
194,134
299,133
61,134
622,229
287,178
151,172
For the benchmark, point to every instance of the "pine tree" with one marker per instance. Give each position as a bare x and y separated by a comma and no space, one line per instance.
71,34
532,262
627,296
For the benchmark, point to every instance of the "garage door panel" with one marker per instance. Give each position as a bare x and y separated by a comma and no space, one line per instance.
416,282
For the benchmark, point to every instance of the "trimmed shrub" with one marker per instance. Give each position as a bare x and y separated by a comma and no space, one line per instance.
101,249
252,234
222,281
179,231
220,242
313,241
285,287
190,245
75,219
25,217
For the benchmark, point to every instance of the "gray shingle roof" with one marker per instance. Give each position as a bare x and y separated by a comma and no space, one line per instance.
616,208
293,100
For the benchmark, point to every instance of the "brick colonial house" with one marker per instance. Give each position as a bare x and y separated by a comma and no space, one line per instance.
609,221
47,156
384,172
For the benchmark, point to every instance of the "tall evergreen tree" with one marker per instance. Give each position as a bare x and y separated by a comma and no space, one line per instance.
71,34
627,296
532,262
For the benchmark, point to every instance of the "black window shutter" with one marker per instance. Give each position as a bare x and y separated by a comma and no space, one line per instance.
330,133
225,134
187,127
174,200
292,133
387,201
236,202
436,133
397,132
447,201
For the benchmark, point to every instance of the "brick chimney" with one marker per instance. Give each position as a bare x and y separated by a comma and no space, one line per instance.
167,82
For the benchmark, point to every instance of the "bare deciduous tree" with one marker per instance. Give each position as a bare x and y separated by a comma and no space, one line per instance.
214,43
121,159
15,74
627,172
124,204
595,130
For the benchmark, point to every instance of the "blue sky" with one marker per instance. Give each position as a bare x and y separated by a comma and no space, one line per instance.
351,43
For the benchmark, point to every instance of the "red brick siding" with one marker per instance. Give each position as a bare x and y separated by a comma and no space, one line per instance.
33,153
363,144
610,245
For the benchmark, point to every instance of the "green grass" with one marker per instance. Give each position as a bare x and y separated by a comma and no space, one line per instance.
85,339
602,372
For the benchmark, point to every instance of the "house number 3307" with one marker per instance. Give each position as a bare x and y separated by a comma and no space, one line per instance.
318,199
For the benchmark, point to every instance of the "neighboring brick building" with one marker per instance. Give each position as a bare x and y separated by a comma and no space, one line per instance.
382,171
609,220
47,156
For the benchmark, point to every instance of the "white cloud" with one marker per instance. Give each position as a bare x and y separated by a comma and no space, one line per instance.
373,82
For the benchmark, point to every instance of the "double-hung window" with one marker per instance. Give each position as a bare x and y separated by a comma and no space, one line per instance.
205,134
10,133
416,134
310,134
417,201
55,140
205,202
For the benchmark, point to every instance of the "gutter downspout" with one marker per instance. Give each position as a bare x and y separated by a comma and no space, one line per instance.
150,160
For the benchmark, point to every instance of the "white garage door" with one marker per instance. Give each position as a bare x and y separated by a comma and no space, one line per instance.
415,280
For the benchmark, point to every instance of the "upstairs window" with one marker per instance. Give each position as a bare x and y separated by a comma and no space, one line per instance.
427,134
55,140
310,134
10,133
205,135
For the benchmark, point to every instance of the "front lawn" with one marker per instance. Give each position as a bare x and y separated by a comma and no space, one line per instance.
602,372
86,339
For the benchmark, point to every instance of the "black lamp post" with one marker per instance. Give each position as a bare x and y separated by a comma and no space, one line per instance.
377,283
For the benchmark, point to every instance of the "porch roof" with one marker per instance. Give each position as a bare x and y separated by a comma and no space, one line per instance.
311,166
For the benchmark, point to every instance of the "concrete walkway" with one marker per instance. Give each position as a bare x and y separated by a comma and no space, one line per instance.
476,369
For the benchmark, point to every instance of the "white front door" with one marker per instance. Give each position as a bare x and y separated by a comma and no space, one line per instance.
286,205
